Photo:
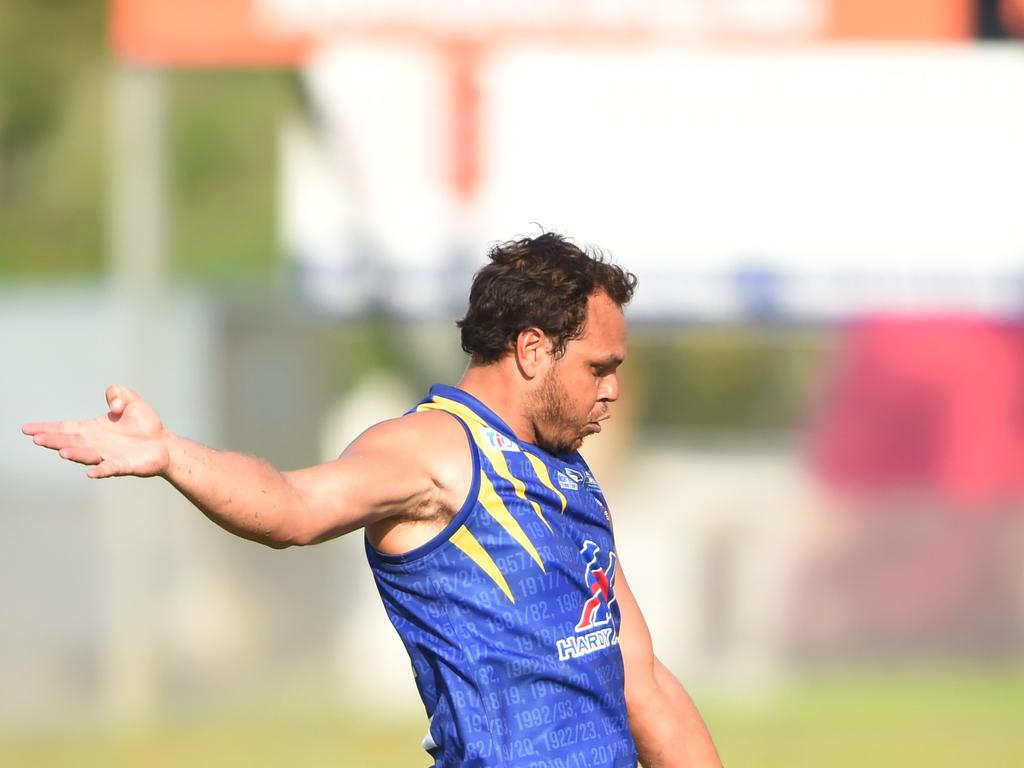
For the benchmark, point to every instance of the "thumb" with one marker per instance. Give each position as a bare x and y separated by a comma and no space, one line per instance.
119,397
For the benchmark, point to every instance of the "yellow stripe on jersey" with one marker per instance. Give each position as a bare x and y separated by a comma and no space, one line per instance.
497,459
545,477
444,404
488,496
493,454
496,508
475,551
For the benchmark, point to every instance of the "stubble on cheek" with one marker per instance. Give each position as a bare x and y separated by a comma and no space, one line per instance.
557,430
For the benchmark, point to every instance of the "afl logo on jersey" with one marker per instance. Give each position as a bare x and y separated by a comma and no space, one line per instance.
595,630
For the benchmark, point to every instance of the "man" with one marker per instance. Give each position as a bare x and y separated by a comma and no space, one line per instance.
488,536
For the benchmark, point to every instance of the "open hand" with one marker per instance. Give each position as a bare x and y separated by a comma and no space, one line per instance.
129,440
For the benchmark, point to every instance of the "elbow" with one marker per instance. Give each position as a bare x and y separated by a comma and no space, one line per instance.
274,543
287,539
643,697
271,539
290,529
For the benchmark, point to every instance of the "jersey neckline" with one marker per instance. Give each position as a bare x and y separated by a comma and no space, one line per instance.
486,415
491,419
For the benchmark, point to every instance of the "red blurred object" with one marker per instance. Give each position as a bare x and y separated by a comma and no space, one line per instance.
463,60
926,404
1012,12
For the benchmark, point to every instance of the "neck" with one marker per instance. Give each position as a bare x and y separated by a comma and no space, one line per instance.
500,389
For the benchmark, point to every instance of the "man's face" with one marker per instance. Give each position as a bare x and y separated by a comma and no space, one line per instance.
574,393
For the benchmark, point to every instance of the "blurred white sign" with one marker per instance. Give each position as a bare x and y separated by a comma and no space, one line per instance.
655,18
807,183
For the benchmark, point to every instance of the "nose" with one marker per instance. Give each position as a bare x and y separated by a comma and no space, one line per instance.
609,389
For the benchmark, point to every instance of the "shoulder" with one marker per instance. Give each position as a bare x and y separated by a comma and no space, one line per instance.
428,466
431,444
414,432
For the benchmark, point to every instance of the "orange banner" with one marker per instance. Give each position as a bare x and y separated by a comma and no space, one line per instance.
205,33
225,33
934,20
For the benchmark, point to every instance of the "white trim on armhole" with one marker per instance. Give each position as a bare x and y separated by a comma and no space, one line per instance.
428,742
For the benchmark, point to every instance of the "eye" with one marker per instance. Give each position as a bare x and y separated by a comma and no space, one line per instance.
603,368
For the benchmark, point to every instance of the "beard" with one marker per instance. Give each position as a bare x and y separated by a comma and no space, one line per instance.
557,429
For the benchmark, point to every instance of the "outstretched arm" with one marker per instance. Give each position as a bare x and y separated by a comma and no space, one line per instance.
666,726
246,495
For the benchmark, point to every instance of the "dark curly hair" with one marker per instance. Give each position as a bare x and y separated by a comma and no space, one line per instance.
542,282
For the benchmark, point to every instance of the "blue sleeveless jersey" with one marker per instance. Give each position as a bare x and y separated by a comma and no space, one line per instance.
509,614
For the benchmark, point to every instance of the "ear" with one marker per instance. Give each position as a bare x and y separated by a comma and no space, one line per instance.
533,352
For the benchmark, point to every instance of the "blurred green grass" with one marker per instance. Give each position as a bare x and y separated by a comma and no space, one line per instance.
296,737
880,718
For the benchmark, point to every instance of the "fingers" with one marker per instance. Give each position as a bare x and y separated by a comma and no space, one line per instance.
81,455
72,448
53,427
119,397
57,441
103,469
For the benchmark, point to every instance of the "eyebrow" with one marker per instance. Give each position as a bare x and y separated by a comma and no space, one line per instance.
606,362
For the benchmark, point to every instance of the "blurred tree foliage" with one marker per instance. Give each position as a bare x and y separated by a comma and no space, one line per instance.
223,137
52,108
739,378
55,148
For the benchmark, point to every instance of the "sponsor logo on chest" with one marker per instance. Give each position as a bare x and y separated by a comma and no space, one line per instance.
500,441
596,630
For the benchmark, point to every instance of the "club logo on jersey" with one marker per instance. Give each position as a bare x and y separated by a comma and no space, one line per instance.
499,441
565,482
596,629
572,479
574,475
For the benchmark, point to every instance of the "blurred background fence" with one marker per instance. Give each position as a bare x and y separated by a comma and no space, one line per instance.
265,215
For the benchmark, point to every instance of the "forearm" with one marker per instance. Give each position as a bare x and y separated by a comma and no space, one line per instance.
242,494
246,495
668,730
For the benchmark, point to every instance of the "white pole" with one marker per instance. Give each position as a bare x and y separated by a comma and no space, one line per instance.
138,254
